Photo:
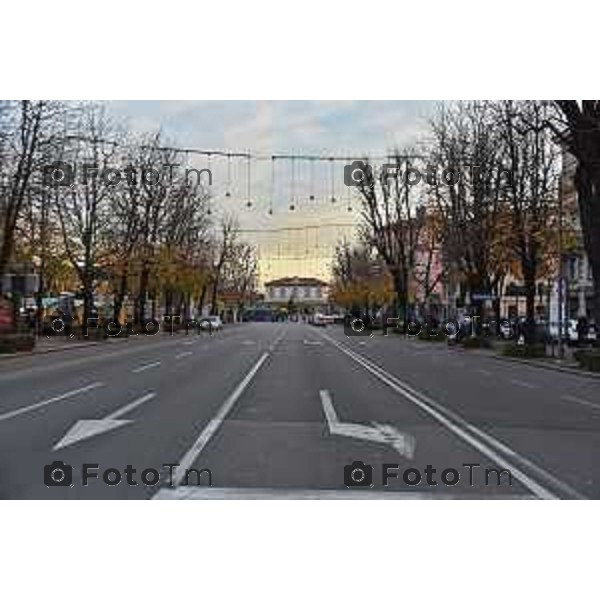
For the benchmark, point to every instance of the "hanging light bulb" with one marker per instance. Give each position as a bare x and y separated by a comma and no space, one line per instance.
333,200
249,182
227,192
293,184
312,179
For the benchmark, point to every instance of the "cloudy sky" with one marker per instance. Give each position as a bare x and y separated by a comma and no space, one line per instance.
264,128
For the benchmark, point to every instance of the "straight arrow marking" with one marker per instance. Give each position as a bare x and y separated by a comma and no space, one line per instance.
87,428
403,443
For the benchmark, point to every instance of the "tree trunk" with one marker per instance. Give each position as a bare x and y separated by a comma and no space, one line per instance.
141,299
120,297
202,299
588,191
213,301
530,291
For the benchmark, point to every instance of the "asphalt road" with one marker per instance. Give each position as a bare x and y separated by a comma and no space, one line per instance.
279,410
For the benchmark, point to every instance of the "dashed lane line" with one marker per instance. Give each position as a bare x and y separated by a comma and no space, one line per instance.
25,409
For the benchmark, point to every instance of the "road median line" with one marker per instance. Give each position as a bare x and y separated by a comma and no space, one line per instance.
207,433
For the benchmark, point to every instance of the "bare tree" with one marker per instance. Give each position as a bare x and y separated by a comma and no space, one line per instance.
224,244
393,215
83,208
532,157
468,194
24,128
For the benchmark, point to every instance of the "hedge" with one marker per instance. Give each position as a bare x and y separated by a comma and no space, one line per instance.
588,359
525,350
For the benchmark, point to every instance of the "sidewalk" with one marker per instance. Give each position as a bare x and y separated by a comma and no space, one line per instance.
46,345
567,365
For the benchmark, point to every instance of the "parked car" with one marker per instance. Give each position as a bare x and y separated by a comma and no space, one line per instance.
319,320
212,323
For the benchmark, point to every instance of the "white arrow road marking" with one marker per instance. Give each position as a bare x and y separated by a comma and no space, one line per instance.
484,443
89,427
24,409
403,443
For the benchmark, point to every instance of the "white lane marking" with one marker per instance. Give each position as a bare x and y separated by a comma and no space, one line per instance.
192,492
485,372
580,401
403,443
146,367
248,343
524,384
507,450
187,343
411,394
312,343
19,411
277,340
192,454
86,428
182,355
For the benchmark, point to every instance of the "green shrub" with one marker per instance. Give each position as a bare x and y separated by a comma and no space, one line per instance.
588,359
425,336
525,350
16,342
475,342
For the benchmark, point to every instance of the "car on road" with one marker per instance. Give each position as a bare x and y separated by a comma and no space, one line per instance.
212,323
320,320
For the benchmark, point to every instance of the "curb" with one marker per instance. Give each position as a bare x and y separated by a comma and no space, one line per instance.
544,365
50,350
47,350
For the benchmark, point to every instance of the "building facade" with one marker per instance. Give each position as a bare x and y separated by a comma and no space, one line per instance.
297,294
576,268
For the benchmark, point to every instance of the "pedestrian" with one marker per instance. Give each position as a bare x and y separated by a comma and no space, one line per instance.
582,331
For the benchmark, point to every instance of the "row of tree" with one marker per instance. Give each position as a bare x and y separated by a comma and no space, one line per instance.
127,214
482,196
